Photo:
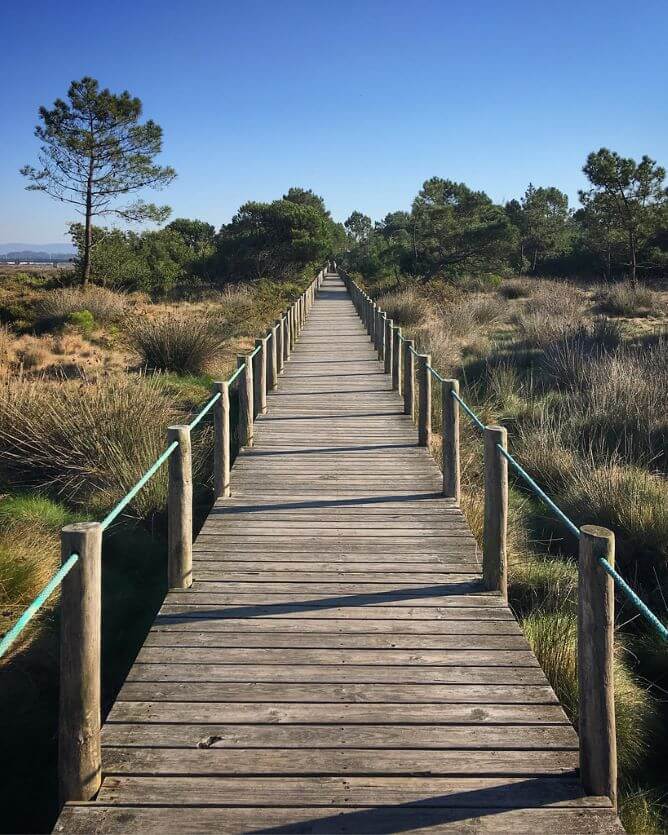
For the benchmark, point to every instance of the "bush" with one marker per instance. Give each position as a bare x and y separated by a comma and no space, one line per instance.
625,300
516,288
186,345
541,583
83,321
56,306
6,348
87,441
568,353
406,307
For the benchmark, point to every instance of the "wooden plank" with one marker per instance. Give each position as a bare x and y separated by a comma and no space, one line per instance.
335,626
220,713
394,694
459,737
90,819
489,792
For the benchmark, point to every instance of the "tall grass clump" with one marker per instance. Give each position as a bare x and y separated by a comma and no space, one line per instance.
86,442
517,288
553,639
623,299
183,344
406,307
56,307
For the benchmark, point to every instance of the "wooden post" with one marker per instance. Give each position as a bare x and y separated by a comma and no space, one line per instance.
260,378
494,567
221,441
272,358
381,337
180,510
285,339
79,751
450,429
396,358
409,378
278,327
596,623
379,328
245,427
424,399
389,344
372,323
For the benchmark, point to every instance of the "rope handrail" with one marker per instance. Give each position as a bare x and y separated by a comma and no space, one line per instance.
476,420
234,376
253,353
193,423
125,501
12,634
572,527
642,607
435,373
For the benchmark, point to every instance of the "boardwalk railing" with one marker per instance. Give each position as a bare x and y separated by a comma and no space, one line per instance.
411,373
80,574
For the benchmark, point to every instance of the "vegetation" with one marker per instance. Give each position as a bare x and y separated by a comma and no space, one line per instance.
95,151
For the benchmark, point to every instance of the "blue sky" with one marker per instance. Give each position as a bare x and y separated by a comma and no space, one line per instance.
360,101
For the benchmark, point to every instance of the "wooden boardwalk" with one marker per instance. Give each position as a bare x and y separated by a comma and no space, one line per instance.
336,665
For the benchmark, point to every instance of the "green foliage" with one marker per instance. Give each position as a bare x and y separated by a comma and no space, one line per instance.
627,199
542,220
275,240
83,321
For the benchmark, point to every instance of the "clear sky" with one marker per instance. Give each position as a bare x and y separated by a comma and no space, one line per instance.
360,100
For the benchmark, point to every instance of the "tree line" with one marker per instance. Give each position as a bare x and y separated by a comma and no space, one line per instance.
95,151
620,230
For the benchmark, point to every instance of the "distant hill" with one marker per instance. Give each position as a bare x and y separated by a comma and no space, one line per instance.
22,251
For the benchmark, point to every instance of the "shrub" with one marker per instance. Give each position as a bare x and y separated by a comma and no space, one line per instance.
184,344
83,321
556,297
626,300
406,307
87,441
567,354
542,583
56,306
516,288
6,348
31,357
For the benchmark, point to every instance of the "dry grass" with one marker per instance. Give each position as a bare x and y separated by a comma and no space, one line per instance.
405,307
183,344
517,288
625,300
87,441
56,306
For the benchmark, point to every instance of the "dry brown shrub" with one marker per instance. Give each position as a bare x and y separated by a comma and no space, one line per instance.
183,344
624,300
405,307
56,305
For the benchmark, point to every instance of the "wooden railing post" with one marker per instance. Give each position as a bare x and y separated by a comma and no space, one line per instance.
180,510
260,378
450,430
380,330
221,441
79,718
245,426
389,344
409,378
381,337
596,623
285,340
396,358
272,357
494,561
372,323
424,399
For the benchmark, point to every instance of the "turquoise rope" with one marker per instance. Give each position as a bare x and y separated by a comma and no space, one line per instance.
208,406
9,637
435,373
541,493
476,420
252,354
644,610
236,374
125,501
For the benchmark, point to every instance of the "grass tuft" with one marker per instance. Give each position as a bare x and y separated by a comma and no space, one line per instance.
185,344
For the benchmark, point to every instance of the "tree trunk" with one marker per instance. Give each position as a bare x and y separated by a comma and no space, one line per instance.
632,247
88,231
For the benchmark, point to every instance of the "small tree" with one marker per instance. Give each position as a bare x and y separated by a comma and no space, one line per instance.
543,223
95,151
636,199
